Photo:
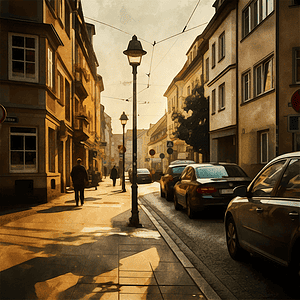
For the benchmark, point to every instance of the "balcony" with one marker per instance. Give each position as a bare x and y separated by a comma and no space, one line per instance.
81,79
81,132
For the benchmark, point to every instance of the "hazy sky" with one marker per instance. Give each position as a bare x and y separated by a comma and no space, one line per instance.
151,21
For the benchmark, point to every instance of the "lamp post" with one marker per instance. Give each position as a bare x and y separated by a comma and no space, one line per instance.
134,54
123,120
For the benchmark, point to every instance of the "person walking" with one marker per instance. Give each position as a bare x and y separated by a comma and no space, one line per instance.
114,175
105,171
79,177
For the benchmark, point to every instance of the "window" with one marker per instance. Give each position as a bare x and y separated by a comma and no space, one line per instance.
207,69
213,102
264,147
67,100
255,13
246,21
188,90
222,96
263,77
23,149
213,55
296,65
23,57
246,87
290,183
67,18
60,88
50,68
60,9
51,147
264,184
222,46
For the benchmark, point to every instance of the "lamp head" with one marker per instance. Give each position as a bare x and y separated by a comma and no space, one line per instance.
134,52
123,118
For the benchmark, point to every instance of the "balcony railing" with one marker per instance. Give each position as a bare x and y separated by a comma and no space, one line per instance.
81,83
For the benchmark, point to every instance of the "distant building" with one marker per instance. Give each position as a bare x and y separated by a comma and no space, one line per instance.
51,91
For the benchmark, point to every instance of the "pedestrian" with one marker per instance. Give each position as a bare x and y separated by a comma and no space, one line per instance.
105,171
80,178
114,175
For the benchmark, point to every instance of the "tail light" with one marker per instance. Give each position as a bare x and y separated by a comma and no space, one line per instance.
206,190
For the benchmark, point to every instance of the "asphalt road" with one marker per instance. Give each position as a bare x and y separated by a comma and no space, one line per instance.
203,242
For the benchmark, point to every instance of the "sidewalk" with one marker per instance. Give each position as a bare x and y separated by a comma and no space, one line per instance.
60,251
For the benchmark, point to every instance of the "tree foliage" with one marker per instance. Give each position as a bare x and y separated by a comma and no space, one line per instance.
193,123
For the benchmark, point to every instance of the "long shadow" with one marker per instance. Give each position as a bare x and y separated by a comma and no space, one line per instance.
68,264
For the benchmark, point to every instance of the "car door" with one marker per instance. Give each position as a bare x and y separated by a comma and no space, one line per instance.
250,212
182,186
280,216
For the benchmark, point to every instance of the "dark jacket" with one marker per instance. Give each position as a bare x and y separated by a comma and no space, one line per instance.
79,176
113,173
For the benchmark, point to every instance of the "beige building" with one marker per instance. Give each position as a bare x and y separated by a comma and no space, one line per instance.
181,87
157,134
51,91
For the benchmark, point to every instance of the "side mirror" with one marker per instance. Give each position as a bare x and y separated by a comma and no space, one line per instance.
240,191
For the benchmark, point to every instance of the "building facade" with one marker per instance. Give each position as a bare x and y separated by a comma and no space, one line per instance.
51,91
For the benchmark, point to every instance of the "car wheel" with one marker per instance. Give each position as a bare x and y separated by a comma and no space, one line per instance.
233,246
176,204
162,194
190,211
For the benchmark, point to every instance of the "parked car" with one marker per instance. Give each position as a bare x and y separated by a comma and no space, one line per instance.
169,178
207,184
143,176
264,217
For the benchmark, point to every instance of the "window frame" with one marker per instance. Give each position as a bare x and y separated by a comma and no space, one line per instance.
24,134
245,97
10,57
222,46
207,69
246,9
260,85
221,101
296,69
50,68
60,88
261,159
213,55
213,101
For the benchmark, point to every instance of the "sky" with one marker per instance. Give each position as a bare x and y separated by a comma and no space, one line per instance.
154,23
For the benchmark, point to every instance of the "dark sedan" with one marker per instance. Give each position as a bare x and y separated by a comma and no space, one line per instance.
143,176
264,218
171,176
207,184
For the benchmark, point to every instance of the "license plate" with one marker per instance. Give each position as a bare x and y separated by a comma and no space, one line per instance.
226,191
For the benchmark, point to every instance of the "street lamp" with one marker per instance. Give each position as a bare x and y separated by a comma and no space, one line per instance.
123,120
134,54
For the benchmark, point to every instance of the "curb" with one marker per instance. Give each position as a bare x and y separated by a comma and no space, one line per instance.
202,284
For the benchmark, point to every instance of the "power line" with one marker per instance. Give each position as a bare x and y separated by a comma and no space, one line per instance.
190,17
116,28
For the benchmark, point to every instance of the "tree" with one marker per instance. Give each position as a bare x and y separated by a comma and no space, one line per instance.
193,125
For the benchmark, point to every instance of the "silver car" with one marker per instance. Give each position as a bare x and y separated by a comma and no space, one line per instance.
264,217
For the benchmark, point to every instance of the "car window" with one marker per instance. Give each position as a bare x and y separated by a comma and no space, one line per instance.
235,171
211,172
177,170
187,174
143,171
290,183
264,184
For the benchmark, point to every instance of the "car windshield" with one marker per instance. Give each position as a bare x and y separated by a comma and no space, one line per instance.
143,171
219,172
177,170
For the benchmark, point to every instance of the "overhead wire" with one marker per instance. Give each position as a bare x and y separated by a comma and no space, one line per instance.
190,16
